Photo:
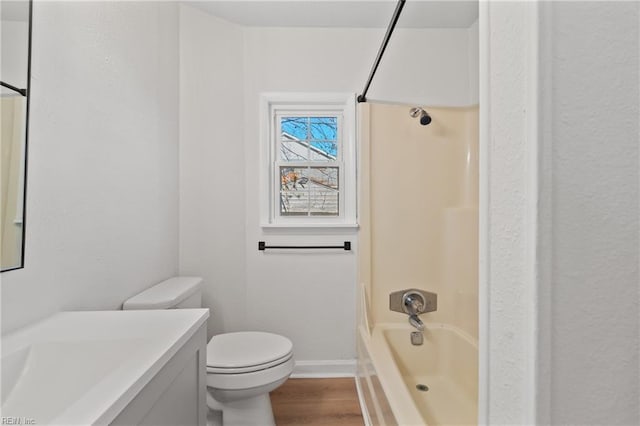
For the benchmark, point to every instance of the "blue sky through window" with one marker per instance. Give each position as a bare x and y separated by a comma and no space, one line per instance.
320,132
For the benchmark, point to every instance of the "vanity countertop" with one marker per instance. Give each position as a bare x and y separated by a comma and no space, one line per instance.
85,367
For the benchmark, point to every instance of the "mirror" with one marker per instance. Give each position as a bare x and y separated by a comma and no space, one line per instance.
15,63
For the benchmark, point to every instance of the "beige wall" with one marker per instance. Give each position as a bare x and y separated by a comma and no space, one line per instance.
419,216
12,128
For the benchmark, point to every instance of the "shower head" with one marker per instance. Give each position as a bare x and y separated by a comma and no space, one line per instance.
425,118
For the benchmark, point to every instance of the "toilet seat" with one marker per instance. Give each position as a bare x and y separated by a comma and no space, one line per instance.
241,370
246,352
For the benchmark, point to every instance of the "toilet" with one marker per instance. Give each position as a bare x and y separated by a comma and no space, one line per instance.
242,367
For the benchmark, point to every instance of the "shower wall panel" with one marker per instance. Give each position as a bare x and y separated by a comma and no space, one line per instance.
419,211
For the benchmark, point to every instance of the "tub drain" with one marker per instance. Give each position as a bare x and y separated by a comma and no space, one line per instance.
422,387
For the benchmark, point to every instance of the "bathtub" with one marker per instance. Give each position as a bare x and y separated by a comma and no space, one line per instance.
432,384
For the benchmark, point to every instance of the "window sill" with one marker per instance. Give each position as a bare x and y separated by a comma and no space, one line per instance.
310,225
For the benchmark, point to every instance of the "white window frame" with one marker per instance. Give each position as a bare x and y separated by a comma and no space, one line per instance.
273,105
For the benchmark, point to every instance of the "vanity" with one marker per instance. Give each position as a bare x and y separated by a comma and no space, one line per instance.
107,367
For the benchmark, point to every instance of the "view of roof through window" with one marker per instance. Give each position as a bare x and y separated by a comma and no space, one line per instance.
320,133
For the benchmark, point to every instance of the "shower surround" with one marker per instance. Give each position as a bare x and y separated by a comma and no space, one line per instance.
419,229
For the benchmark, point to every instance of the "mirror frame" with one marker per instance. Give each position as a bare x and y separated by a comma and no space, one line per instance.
26,143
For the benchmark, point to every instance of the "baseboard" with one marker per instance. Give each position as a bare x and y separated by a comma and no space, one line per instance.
324,368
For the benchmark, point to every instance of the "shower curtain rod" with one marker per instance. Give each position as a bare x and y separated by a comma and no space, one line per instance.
23,92
385,41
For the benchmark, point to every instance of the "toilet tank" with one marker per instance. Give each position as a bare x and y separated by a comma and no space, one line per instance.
174,293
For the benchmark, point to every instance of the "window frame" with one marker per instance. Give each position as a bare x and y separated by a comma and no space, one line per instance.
275,105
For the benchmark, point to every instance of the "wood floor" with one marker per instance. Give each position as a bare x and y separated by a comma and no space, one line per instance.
317,402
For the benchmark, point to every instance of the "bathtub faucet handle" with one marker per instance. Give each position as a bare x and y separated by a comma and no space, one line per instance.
414,302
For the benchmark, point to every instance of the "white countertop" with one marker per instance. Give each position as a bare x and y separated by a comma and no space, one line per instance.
85,367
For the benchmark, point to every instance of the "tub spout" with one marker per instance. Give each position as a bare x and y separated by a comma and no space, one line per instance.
415,321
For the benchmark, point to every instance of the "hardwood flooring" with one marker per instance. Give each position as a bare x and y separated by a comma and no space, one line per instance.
320,402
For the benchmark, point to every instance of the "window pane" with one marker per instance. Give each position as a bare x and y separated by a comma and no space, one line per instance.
294,139
295,127
323,151
324,177
309,138
323,138
294,151
324,128
294,203
324,203
294,178
323,189
294,191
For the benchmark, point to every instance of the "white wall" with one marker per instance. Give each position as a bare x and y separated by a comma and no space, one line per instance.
473,65
420,66
590,312
307,297
562,221
212,183
506,300
427,67
102,207
15,47
96,184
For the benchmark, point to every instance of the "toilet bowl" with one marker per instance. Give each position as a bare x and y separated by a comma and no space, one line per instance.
242,367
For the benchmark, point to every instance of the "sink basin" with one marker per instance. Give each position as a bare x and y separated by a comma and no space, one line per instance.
84,367
12,367
45,378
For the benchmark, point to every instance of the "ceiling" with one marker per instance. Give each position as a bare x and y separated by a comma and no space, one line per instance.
344,13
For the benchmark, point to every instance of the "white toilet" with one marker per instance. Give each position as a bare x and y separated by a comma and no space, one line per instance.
242,367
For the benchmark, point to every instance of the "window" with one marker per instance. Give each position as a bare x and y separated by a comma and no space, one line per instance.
308,156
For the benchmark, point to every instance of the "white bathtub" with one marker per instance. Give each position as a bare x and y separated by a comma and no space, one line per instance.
390,368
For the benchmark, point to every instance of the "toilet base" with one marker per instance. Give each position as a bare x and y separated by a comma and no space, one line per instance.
214,417
255,411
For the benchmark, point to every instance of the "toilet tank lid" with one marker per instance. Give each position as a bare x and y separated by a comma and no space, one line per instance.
164,295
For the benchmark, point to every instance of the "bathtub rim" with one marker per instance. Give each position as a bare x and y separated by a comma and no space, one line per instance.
388,372
428,326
